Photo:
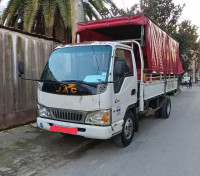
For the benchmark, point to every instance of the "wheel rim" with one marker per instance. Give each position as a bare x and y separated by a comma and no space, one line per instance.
168,108
128,128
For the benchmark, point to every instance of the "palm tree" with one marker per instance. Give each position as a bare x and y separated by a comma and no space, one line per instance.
53,18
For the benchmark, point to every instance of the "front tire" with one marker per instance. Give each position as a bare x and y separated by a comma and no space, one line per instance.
125,137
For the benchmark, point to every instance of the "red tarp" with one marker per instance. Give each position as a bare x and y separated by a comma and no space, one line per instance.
162,50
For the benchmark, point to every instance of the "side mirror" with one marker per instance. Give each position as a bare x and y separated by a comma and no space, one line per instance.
21,68
119,69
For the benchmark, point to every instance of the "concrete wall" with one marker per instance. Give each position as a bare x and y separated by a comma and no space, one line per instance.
18,97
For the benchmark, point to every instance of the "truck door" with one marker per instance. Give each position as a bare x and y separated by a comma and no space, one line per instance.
125,90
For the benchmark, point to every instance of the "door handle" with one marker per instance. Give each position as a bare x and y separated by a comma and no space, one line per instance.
133,92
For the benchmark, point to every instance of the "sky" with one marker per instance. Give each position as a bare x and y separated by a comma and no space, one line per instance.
190,12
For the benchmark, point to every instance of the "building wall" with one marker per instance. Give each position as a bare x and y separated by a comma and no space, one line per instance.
18,97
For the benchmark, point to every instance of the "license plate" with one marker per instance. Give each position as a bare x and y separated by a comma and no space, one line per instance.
64,129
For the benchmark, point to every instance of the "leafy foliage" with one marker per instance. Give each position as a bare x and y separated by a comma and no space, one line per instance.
90,12
187,36
13,10
52,17
49,9
163,12
30,12
103,12
65,9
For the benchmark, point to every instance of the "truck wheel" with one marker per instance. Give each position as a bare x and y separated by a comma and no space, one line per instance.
166,108
125,137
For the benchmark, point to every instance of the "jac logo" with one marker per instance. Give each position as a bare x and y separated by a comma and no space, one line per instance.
65,89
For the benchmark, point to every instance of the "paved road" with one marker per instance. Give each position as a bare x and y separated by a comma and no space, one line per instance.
161,148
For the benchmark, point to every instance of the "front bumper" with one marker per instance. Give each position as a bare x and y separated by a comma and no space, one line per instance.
88,131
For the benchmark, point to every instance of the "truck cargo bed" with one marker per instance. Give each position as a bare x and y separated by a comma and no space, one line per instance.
159,87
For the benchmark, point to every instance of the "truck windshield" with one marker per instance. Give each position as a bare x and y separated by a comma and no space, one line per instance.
80,63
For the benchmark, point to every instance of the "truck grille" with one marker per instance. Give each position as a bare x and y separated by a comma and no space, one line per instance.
65,115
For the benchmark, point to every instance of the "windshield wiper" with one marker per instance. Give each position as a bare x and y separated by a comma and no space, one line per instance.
61,82
79,81
41,80
45,80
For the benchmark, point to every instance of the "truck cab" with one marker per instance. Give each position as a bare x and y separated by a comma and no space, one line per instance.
91,88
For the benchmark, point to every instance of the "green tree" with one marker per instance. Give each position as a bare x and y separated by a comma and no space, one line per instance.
51,18
164,12
187,35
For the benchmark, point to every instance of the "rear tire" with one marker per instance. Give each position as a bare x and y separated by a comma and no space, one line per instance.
166,108
125,137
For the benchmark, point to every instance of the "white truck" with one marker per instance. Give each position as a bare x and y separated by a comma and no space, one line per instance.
96,89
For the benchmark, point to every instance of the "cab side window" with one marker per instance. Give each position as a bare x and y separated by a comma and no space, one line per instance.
126,57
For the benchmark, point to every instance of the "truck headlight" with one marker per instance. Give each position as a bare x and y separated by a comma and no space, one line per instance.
43,111
99,118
